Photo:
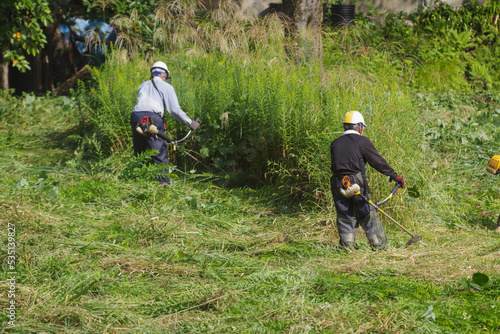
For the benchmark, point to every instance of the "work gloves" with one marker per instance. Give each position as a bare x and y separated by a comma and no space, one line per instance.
399,180
195,124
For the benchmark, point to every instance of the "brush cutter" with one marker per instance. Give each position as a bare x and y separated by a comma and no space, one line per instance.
146,127
355,190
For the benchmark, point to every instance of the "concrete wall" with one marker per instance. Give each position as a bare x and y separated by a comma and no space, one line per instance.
258,7
261,7
396,6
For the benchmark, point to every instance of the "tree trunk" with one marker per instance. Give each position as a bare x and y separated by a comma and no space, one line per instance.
38,74
82,74
306,17
4,73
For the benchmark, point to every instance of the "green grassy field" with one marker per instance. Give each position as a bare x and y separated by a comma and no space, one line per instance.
99,252
244,240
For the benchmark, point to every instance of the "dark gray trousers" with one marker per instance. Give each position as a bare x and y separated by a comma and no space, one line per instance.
355,211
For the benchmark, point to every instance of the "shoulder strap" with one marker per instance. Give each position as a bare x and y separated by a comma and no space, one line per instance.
162,97
363,168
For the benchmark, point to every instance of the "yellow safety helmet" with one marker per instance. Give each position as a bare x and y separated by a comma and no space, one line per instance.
494,165
354,117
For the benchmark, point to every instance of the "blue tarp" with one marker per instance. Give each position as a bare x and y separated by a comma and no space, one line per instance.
86,28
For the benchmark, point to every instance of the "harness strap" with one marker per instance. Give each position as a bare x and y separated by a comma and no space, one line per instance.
363,165
162,100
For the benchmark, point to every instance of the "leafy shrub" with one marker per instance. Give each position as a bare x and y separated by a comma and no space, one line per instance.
443,47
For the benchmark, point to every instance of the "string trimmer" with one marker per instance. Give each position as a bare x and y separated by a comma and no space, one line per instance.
354,189
146,127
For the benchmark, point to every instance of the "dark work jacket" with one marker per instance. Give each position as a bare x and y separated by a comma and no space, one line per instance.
350,153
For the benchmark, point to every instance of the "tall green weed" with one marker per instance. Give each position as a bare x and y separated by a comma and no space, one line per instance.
266,119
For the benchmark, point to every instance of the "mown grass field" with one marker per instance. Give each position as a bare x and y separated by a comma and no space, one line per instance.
90,244
96,252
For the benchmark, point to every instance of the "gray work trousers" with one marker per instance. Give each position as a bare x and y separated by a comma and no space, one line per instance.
355,211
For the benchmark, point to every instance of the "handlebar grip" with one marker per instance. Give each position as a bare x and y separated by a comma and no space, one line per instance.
393,191
396,187
164,136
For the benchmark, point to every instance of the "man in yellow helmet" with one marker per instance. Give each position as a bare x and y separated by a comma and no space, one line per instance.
350,152
493,167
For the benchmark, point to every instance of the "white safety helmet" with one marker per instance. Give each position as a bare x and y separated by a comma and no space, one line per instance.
354,117
160,65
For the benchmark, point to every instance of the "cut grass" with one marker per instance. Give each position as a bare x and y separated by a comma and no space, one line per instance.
107,254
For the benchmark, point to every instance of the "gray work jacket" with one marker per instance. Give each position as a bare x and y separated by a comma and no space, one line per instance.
151,100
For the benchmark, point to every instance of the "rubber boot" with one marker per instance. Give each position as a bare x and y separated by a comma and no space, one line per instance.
374,231
375,242
348,241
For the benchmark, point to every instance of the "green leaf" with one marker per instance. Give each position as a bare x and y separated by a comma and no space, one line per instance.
480,279
464,282
53,193
193,201
205,152
23,183
429,314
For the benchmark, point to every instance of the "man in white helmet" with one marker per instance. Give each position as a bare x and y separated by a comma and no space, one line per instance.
350,152
154,97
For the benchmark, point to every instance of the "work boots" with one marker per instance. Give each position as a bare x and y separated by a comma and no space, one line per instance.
376,243
374,231
348,241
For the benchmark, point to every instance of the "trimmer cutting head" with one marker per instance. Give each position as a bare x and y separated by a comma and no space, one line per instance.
369,201
414,239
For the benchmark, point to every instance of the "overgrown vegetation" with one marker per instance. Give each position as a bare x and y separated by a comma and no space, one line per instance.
101,248
258,124
442,47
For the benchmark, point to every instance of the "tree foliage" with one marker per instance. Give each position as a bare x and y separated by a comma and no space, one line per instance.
23,30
